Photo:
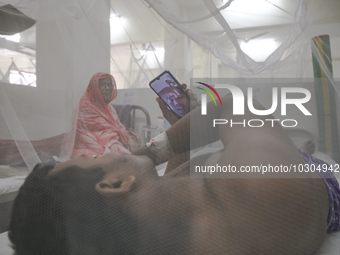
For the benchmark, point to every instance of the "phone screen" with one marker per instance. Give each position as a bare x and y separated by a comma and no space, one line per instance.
172,93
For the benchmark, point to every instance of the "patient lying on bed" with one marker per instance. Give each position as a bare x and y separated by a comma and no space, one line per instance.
99,129
116,204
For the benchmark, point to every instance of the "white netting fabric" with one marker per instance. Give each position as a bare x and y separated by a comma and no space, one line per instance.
135,41
51,49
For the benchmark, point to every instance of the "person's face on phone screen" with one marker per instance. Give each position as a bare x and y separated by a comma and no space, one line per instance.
176,100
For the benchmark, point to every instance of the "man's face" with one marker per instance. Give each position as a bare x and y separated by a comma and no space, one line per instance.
106,88
157,206
110,162
171,83
177,101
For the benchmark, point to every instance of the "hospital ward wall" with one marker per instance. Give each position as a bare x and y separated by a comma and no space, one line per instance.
41,112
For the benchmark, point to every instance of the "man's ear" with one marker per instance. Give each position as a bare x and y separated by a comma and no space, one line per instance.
115,186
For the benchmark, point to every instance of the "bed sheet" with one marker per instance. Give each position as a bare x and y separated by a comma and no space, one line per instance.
331,245
11,179
11,184
5,248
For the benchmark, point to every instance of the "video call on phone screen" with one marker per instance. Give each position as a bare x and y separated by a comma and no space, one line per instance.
172,94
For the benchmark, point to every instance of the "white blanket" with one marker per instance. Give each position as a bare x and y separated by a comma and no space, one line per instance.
11,178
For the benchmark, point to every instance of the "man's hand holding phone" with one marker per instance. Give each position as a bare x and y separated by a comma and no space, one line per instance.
174,100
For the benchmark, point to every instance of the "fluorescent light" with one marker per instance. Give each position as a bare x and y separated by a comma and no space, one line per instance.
114,16
158,51
116,25
13,38
259,50
249,6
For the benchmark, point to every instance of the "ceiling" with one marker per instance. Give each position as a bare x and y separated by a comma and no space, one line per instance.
142,24
138,23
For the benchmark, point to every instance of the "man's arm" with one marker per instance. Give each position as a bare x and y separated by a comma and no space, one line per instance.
183,138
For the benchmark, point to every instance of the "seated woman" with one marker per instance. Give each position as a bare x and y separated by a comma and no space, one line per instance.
99,129
116,204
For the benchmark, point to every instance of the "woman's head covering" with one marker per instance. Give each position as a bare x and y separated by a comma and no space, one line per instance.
93,92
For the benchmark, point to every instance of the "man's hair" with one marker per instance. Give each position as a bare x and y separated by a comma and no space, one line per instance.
63,214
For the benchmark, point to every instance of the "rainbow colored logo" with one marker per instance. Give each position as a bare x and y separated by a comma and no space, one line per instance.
208,92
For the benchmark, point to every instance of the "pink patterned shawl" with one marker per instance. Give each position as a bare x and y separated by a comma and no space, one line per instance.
98,127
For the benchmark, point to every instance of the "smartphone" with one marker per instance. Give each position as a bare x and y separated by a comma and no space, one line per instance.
172,93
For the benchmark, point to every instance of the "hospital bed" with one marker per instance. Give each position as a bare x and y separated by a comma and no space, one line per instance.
133,117
128,115
11,180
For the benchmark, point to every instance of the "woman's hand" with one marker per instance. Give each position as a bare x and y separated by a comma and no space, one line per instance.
133,141
168,114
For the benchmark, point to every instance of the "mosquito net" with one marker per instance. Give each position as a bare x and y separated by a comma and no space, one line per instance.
50,50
